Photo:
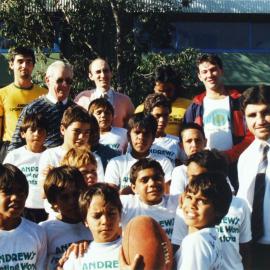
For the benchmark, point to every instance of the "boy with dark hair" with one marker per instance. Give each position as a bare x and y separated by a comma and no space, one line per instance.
148,185
218,111
253,171
62,187
101,209
192,141
234,229
26,158
114,137
17,94
103,151
22,243
141,134
164,144
167,84
203,207
75,128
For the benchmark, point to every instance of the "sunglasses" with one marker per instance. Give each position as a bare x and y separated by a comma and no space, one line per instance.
68,81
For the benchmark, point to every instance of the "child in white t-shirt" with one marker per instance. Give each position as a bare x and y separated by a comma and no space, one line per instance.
164,144
141,134
23,243
83,159
62,187
26,158
76,128
205,202
234,229
147,182
101,209
114,137
192,140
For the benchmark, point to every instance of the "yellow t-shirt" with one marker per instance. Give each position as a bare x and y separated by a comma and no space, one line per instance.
12,101
179,107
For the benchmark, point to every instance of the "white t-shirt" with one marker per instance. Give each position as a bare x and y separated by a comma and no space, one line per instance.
60,235
217,123
163,213
116,139
52,157
24,247
28,162
179,180
200,250
97,256
247,170
180,229
233,230
168,147
118,168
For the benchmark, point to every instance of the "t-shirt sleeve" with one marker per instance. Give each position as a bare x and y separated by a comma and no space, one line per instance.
245,229
100,170
9,158
42,252
70,264
112,173
194,254
179,179
180,229
167,168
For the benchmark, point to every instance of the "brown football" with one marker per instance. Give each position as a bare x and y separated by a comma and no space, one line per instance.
144,236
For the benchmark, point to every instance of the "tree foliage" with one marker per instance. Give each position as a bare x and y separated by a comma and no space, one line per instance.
86,29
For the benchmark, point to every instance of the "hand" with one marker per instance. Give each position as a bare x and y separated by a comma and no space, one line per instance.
78,249
136,264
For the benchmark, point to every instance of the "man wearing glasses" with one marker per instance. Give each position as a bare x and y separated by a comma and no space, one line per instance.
18,94
58,78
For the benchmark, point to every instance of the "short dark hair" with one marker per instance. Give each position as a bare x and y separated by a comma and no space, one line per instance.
212,160
100,103
259,94
165,74
108,192
156,100
62,178
34,121
210,58
144,163
22,51
11,175
191,125
74,113
144,122
213,186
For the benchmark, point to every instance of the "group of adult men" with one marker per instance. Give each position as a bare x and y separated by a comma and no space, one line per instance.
217,109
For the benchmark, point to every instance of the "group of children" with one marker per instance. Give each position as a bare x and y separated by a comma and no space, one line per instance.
208,226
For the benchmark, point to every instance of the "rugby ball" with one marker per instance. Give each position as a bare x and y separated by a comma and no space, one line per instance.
144,236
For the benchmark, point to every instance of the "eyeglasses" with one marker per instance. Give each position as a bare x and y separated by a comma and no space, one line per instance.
68,81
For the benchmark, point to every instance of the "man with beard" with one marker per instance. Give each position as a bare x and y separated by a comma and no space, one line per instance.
16,95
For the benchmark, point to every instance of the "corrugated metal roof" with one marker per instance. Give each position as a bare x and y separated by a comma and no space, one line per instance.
229,6
213,6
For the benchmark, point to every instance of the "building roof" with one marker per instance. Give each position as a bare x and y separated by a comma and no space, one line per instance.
228,6
210,6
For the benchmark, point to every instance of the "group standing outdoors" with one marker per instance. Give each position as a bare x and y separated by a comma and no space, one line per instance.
77,171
